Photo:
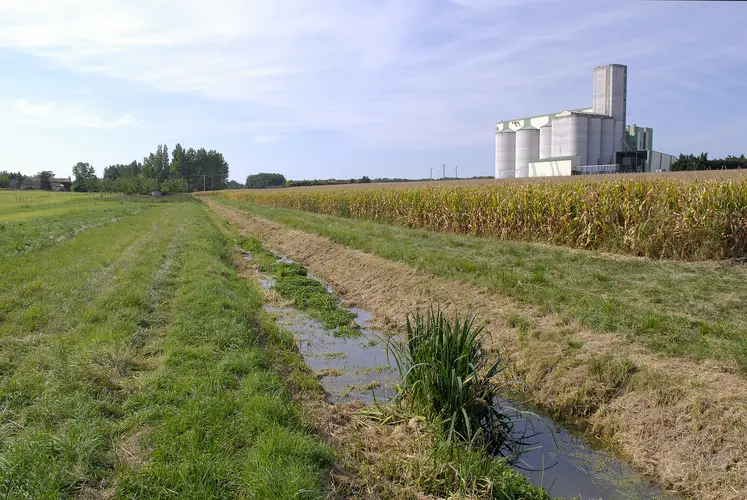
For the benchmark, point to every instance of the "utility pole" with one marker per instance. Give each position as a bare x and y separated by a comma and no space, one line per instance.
431,173
443,166
203,182
456,171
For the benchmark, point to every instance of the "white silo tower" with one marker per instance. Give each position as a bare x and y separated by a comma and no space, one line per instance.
545,141
527,149
505,153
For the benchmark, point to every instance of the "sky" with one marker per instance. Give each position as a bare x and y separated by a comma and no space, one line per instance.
346,88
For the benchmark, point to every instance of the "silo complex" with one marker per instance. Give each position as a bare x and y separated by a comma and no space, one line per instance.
590,139
505,154
527,149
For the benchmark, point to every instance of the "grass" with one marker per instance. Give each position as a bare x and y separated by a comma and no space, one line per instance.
447,377
135,363
307,294
681,309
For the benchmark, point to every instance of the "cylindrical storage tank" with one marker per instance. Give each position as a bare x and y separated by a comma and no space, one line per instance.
608,133
579,137
505,154
649,139
594,148
619,132
545,144
570,136
527,149
641,138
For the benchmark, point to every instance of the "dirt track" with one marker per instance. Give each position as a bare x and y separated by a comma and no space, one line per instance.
680,422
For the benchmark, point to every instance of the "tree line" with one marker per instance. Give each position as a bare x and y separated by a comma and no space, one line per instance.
184,170
701,162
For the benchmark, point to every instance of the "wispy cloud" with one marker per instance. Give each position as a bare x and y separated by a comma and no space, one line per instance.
387,73
30,108
71,115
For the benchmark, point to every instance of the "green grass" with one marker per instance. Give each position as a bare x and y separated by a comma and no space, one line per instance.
681,309
309,295
40,220
133,362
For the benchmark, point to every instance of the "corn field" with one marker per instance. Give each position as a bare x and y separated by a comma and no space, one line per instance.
687,219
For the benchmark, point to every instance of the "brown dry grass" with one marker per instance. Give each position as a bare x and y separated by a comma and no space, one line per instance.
681,422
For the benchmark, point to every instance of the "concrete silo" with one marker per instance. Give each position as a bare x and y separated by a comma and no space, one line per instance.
545,141
570,136
505,154
527,149
594,151
608,139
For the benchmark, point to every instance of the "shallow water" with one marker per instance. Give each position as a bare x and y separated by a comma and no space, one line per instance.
566,463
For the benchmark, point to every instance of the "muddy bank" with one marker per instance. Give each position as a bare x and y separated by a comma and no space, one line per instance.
680,422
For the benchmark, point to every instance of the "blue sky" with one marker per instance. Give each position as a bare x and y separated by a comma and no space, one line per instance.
384,88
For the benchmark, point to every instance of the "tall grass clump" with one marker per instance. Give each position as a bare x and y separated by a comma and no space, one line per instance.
446,376
689,219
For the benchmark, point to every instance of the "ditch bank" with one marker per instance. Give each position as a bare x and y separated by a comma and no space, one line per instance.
677,421
565,463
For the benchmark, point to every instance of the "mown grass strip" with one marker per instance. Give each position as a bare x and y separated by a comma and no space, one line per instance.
73,351
681,309
217,420
133,367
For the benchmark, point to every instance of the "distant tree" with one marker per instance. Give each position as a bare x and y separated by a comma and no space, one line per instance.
4,180
44,177
174,186
263,181
85,176
365,180
235,185
701,162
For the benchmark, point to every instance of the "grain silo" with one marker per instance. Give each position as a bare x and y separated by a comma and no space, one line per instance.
505,154
527,149
545,140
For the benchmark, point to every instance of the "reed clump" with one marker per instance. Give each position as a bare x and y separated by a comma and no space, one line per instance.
447,377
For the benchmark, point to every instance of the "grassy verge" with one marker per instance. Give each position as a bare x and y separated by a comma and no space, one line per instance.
307,294
681,309
132,365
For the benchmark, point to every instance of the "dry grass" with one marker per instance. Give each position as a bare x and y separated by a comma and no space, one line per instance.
677,420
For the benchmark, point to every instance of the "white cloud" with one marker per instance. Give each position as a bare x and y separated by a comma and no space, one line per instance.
266,138
30,108
71,115
409,73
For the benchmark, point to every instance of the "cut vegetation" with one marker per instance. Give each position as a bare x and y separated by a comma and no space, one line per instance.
134,365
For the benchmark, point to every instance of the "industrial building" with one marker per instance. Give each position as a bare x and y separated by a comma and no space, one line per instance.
579,141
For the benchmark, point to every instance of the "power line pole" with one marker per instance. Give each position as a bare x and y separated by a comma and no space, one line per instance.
203,182
431,173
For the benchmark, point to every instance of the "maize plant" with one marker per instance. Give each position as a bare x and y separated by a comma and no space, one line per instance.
690,219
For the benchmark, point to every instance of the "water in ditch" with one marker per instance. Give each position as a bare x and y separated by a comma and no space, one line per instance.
564,462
